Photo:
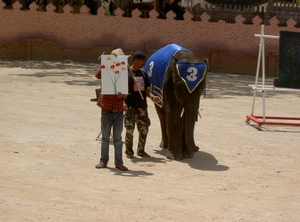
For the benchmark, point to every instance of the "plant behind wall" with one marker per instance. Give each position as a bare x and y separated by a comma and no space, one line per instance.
238,2
76,5
247,2
60,5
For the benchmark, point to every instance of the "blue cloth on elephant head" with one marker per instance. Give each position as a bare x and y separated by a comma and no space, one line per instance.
191,73
157,65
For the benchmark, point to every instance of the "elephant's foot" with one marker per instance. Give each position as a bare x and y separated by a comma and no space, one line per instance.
188,155
163,144
174,156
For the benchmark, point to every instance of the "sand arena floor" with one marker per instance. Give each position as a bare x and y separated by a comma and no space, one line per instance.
48,153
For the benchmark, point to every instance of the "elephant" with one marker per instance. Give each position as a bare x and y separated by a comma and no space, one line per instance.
178,78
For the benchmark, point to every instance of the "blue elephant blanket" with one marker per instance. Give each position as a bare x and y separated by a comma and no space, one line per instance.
191,73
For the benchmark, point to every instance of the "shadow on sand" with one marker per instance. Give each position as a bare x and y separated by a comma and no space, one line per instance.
201,161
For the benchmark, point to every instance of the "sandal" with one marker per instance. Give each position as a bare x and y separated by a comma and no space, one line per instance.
122,167
130,156
144,154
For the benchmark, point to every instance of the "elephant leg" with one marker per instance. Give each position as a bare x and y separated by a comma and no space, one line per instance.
186,152
175,141
163,127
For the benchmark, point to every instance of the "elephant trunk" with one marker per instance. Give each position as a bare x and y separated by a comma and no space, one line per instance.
190,118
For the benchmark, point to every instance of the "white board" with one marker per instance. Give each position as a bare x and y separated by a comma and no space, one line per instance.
114,74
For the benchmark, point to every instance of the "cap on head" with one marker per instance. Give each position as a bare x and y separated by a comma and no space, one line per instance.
139,55
117,51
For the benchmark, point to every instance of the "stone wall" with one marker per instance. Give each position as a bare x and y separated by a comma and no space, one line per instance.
230,47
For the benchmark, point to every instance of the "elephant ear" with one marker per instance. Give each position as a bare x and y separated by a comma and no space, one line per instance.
172,68
192,74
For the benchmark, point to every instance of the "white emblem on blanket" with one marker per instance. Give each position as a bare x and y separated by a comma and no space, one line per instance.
191,73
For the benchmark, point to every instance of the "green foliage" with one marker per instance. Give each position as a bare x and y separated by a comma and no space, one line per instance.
61,2
40,2
77,2
239,2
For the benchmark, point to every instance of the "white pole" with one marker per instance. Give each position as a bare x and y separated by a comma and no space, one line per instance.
261,59
256,77
261,36
263,72
267,36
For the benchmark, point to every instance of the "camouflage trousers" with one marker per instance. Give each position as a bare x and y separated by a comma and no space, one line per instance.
138,117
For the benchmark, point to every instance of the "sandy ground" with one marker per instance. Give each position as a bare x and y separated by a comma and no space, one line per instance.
48,152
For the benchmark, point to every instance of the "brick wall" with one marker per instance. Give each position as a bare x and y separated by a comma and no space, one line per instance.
231,48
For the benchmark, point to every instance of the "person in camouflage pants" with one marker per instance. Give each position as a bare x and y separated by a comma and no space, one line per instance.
138,116
135,106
